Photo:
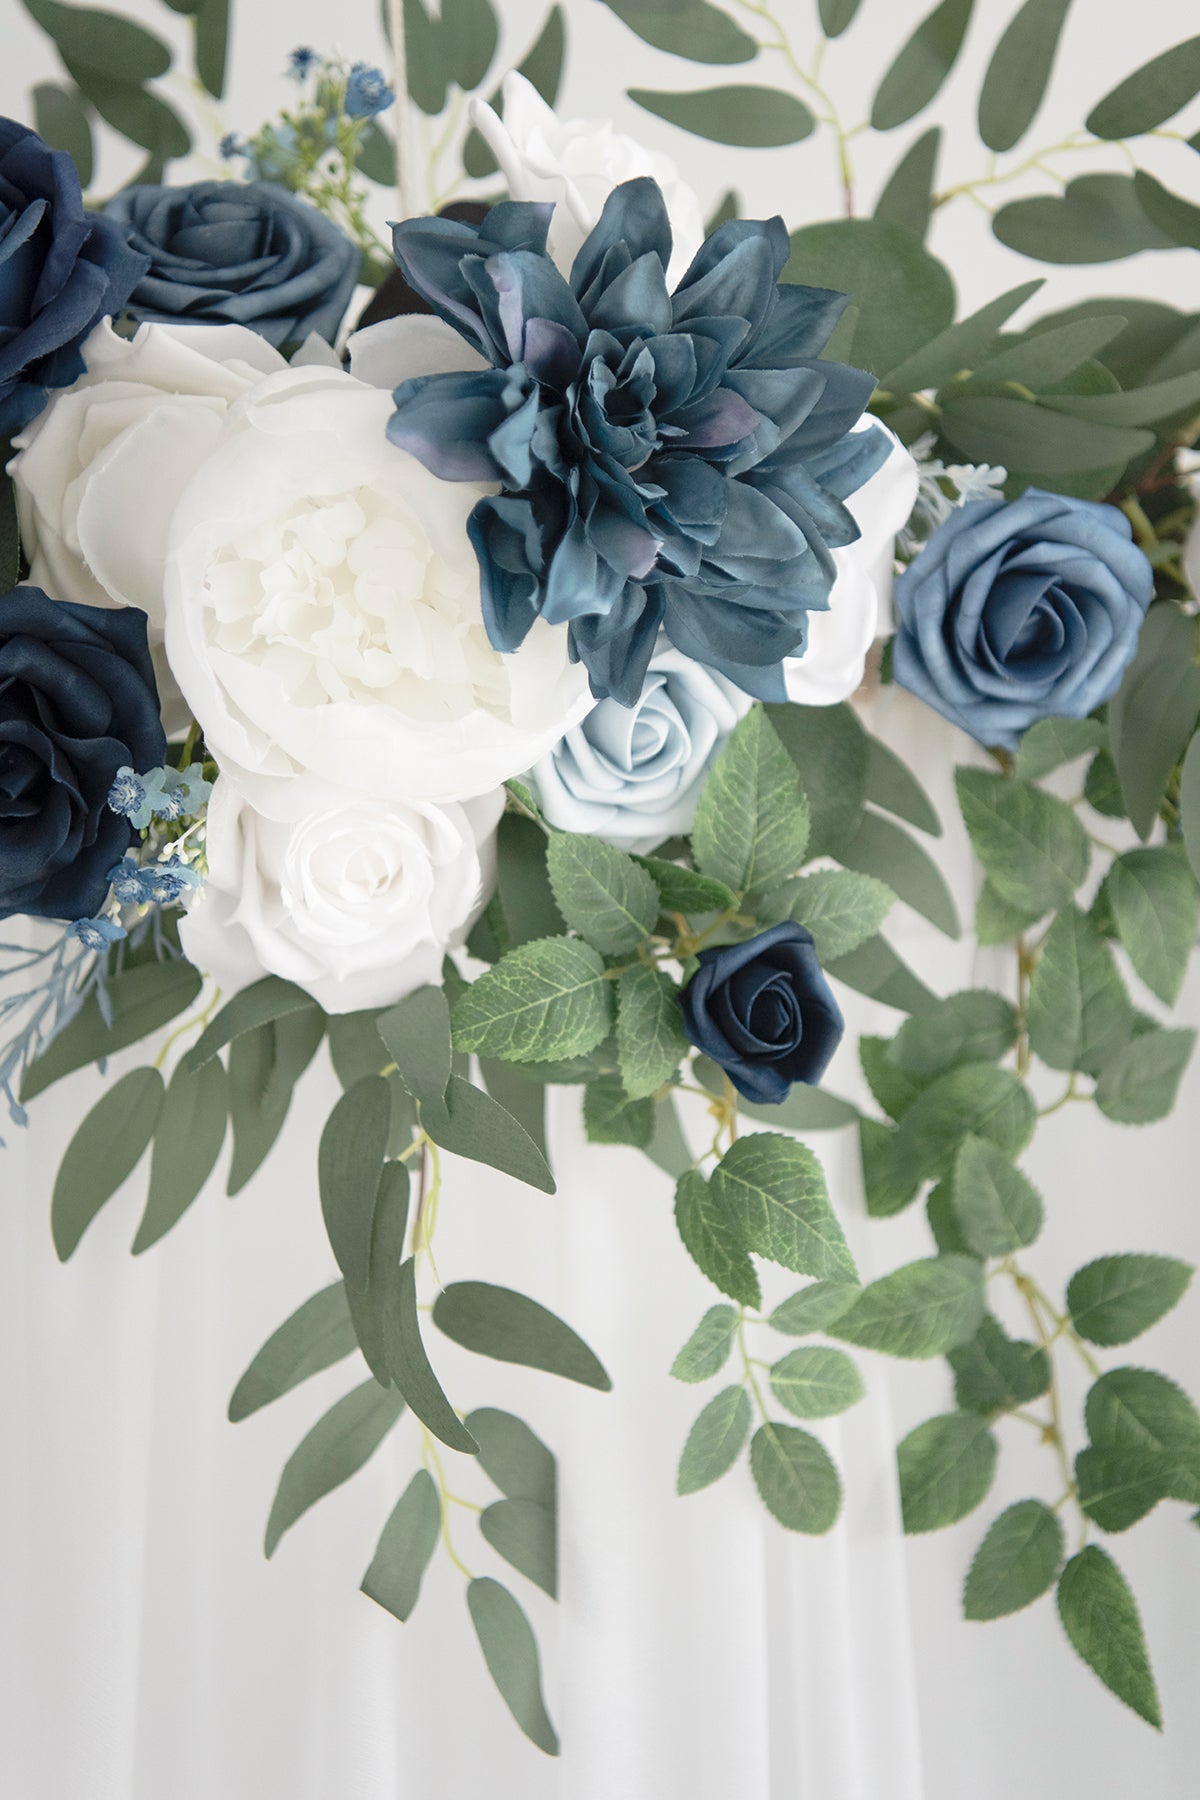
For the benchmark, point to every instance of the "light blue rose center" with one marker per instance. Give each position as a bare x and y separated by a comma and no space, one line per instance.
657,748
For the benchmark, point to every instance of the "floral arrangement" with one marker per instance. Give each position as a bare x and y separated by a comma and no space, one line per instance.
474,701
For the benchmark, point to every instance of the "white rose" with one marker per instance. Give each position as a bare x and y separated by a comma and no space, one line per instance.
576,163
835,656
633,775
324,614
355,900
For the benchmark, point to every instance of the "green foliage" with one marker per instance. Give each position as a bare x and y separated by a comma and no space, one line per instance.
715,1441
774,1190
1116,1298
993,1372
611,1117
513,1456
894,1088
712,1238
816,1382
875,969
841,909
892,785
405,1548
707,1350
523,882
755,117
474,1125
830,753
105,41
920,1310
541,66
904,295
602,893
338,1445
1018,73
318,1334
796,1477
814,1307
187,1142
510,1651
1189,804
752,820
545,1000
922,65
349,1165
212,21
1100,1616
1137,1409
1139,1084
690,28
837,15
495,1321
1016,1562
264,1067
62,120
998,1208
1097,218
142,999
411,1369
1032,846
524,1533
946,1468
1052,742
976,1098
1155,905
974,1026
260,1004
959,346
1153,714
104,1152
1150,96
650,1035
908,197
681,890
416,1034
880,848
1079,1014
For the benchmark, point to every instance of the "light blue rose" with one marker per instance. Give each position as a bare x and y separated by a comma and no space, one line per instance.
633,775
1021,610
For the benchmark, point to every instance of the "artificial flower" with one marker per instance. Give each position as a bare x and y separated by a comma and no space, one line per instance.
1021,610
354,899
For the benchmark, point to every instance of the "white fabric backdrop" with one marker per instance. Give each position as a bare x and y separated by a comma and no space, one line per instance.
147,1652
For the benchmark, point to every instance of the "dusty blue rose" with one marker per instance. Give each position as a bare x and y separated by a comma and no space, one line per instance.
1021,610
667,460
61,271
238,253
78,702
763,1011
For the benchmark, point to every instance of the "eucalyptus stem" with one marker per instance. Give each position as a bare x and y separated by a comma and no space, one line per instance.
433,1463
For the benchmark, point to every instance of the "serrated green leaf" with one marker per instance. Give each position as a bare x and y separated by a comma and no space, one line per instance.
524,1534
513,1456
943,1220
751,826
474,1125
416,1034
815,1307
1139,1083
715,1441
1100,1616
1016,1562
103,1153
1079,1014
1097,218
893,1088
1052,742
816,1382
602,893
314,1337
796,1478
908,197
946,1468
611,1117
998,922
892,785
804,1109
1154,93
991,1102
495,1321
974,1026
1155,904
829,751
264,1067
889,1181
993,1372
338,1445
650,1037
774,1188
753,117
1138,1409
187,1142
1016,78
712,1238
707,1350
904,295
922,65
405,1548
998,1208
261,1004
1116,1298
683,891
1032,846
510,1651
61,120
349,1165
923,1309
410,1368
142,999
1118,1487
841,909
688,28
543,1001
1153,714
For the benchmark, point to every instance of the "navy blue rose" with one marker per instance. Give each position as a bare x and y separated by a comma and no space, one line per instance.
238,253
78,702
1021,610
61,271
674,461
763,1011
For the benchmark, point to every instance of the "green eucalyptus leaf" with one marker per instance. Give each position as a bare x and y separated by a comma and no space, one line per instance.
1078,1013
514,1457
106,41
712,1238
264,1066
1097,218
543,1001
752,821
314,1337
1138,1085
837,15
1116,1298
523,1532
796,1477
523,881
904,295
715,1441
958,347
267,1000
336,1448
212,21
1035,438
349,1165
816,1382
973,1026
416,1034
814,1307
1155,904
136,112
474,1125
510,1652
469,34
922,65
405,1548
753,117
1042,358
774,1189
908,197
707,1350
187,1143
1189,805
104,1152
1100,1616
829,751
495,1321
1033,848
142,999
411,1370
875,969
1019,71
892,785
1016,1562
1154,93
998,1208
1153,714
690,28
509,1084
923,1309
882,849
60,118
946,1468
650,1037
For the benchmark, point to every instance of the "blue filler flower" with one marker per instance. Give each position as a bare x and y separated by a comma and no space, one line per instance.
302,62
1021,610
666,460
96,934
367,92
763,1011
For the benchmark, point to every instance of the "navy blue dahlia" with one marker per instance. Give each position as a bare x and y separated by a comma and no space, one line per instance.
666,461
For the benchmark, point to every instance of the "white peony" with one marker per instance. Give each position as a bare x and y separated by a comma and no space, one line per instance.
633,775
323,604
835,656
355,900
576,163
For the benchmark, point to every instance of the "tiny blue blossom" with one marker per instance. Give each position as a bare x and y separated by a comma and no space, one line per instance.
170,881
96,934
192,788
302,62
132,885
367,92
127,798
232,145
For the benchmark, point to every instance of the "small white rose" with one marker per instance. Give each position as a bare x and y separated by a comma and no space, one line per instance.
633,775
835,656
324,614
576,163
357,901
